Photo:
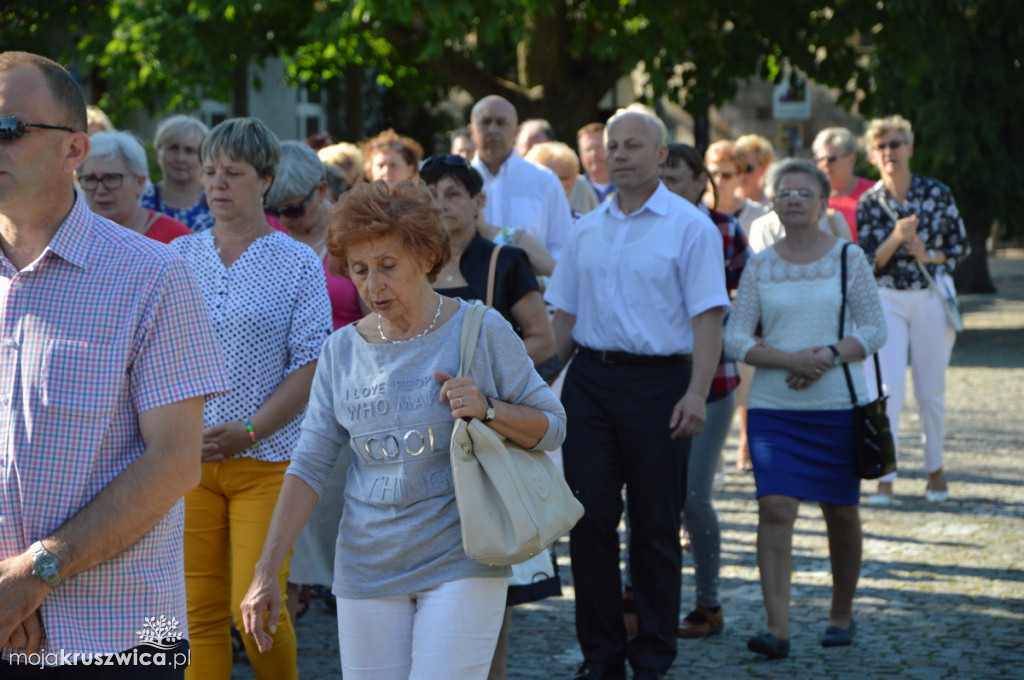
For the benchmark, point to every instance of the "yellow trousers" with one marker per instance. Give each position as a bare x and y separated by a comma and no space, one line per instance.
226,522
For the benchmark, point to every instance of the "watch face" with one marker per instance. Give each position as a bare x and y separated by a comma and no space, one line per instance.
45,566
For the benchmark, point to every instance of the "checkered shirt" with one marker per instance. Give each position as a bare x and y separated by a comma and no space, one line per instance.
736,253
105,324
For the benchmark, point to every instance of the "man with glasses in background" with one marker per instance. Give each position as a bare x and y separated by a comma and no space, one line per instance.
107,355
835,153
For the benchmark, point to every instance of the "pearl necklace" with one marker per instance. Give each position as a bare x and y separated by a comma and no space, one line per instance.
437,315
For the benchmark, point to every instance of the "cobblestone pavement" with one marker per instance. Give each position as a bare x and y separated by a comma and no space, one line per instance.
942,589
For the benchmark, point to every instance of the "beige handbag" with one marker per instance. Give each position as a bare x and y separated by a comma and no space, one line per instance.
512,502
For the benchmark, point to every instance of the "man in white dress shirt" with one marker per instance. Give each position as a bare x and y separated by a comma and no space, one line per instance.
640,292
520,195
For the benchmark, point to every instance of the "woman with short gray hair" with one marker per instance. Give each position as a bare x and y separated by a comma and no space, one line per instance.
180,193
268,301
800,421
912,232
767,229
835,153
113,177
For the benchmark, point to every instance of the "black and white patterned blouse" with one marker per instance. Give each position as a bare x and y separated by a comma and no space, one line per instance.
271,313
939,226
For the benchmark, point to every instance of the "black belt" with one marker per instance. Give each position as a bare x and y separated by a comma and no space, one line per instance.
625,358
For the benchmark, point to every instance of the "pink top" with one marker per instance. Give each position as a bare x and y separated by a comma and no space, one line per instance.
344,297
847,204
104,325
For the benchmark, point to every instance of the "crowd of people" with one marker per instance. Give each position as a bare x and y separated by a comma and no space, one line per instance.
254,361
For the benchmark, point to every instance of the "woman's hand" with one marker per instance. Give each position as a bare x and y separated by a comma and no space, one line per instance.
224,440
262,605
807,365
915,246
462,394
906,229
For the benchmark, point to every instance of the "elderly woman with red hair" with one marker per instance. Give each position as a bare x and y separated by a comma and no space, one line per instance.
410,602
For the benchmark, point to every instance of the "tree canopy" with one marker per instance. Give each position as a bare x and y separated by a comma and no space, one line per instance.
951,66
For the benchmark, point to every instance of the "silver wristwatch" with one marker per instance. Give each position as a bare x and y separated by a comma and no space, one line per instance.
836,359
45,565
489,416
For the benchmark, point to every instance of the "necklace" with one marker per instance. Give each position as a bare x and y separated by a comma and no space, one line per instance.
437,315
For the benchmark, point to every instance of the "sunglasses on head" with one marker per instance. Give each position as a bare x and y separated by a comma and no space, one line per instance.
12,128
295,210
451,159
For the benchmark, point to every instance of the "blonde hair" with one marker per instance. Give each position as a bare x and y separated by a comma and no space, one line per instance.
344,155
95,116
725,150
177,128
546,153
758,149
895,123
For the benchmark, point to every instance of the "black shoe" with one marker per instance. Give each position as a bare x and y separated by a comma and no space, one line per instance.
769,645
596,670
839,637
647,674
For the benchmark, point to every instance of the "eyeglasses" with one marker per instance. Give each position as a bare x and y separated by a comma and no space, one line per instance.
12,128
802,194
892,146
397,146
829,160
112,180
295,210
450,159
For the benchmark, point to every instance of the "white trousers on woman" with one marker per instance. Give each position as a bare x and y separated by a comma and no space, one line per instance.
447,632
919,335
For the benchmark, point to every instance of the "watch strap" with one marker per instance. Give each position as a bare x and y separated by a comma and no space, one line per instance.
489,415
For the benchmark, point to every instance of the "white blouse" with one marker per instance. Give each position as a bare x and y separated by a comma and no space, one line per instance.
797,306
272,314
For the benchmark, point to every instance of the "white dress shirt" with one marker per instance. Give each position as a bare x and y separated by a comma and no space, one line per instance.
526,196
635,281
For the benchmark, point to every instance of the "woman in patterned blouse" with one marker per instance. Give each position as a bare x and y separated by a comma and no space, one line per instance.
907,224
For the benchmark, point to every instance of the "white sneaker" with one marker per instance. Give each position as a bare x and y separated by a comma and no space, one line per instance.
880,499
936,496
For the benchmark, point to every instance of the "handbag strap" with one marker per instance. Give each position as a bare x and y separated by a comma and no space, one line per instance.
491,272
842,325
472,320
924,270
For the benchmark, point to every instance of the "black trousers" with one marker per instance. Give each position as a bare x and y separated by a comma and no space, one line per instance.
144,662
618,435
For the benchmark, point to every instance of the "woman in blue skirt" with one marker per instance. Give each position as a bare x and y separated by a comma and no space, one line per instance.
800,422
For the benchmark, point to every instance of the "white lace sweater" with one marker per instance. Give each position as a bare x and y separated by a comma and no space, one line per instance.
798,307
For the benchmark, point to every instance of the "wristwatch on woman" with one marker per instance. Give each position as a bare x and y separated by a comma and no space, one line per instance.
489,416
836,361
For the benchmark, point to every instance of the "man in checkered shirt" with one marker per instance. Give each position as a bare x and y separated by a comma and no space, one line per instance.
106,356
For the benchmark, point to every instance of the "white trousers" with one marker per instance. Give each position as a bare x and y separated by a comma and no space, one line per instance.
918,335
447,632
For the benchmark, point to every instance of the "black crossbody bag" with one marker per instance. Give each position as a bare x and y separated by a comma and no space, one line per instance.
876,452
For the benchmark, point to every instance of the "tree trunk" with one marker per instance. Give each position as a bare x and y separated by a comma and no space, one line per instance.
240,89
972,275
354,78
